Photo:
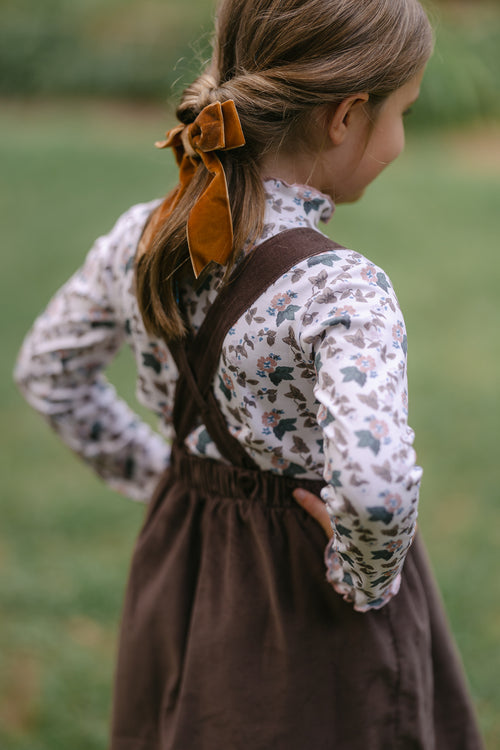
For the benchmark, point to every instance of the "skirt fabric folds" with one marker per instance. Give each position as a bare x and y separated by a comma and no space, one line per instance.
232,638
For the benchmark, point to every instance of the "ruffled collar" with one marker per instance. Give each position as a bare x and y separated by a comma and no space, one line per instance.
296,203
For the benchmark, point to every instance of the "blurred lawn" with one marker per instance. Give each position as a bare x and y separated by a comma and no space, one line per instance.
431,221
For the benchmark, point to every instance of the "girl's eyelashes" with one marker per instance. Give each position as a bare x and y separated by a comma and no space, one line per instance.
408,112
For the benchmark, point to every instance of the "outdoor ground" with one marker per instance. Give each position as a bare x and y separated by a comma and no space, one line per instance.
432,221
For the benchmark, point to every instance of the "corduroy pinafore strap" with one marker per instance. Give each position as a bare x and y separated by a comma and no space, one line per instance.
197,357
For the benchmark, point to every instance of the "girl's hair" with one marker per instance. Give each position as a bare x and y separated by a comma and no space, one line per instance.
280,61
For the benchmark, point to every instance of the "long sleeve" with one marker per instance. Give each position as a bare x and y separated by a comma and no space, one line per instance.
358,339
60,369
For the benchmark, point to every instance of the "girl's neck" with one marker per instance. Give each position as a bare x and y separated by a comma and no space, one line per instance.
296,170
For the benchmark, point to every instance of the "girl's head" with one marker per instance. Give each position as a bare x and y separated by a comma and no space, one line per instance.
281,60
289,66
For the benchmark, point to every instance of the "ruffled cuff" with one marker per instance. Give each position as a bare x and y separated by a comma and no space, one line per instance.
341,580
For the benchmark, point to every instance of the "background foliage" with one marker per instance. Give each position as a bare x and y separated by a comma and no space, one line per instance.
150,49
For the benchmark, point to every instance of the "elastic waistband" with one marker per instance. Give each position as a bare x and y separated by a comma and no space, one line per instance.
212,477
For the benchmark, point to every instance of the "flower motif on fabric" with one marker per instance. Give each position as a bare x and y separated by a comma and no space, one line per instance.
267,365
375,277
372,438
226,385
369,273
366,364
324,416
392,506
280,302
282,308
399,336
313,204
345,311
284,466
272,421
393,502
156,358
379,429
271,418
278,462
404,400
327,259
364,367
394,546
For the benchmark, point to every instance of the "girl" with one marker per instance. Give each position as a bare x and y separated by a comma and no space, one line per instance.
276,360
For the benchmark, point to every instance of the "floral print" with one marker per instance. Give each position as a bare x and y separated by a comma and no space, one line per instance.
311,381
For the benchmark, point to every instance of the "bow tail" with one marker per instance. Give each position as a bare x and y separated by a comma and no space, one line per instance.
187,170
209,225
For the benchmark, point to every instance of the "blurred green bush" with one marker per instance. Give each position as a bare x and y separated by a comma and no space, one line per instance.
462,82
150,49
114,48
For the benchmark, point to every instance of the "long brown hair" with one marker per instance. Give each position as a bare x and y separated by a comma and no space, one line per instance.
279,60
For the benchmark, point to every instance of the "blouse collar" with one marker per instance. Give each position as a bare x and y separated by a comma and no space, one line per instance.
298,203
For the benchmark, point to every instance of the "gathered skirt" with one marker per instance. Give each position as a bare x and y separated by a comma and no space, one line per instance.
232,639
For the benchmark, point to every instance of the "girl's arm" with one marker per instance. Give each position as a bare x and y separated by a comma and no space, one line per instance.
354,329
60,367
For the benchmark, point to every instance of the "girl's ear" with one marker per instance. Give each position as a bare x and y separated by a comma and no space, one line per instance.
344,114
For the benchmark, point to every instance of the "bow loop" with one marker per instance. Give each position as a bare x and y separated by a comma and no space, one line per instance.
209,225
217,128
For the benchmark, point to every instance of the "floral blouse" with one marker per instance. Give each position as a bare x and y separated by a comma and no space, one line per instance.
311,381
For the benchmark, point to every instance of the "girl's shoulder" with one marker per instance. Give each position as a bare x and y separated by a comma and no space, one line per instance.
127,229
340,288
333,273
112,254
107,270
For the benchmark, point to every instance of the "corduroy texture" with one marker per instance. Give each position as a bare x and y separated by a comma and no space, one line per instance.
232,638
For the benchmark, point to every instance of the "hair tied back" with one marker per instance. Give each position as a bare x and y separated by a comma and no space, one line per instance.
209,224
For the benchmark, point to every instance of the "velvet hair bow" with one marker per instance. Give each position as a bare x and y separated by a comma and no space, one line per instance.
209,224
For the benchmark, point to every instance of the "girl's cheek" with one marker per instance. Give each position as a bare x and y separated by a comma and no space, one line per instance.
399,141
394,142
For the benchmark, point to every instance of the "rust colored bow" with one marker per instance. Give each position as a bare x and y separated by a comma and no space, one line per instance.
209,225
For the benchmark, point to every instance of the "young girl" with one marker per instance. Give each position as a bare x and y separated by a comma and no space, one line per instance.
276,361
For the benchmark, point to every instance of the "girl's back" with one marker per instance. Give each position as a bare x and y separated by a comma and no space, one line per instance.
276,360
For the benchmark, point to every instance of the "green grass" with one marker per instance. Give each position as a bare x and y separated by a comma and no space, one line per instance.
67,172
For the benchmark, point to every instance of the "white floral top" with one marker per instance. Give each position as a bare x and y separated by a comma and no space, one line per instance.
312,381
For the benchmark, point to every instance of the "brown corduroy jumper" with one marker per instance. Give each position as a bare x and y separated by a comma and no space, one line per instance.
231,638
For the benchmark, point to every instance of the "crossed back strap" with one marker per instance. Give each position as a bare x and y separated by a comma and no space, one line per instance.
197,356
